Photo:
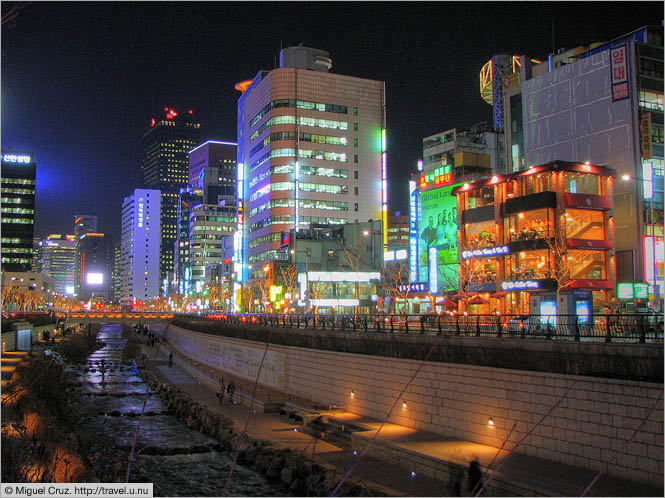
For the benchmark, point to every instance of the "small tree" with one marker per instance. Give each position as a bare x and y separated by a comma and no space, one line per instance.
288,275
561,265
397,283
7,295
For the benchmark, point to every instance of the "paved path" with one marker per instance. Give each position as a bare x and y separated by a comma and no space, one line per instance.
550,478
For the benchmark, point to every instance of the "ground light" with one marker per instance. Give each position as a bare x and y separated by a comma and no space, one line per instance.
403,404
490,422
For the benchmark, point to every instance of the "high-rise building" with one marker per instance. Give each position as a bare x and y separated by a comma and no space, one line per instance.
208,225
83,223
18,210
212,168
311,149
602,104
116,278
182,272
94,266
57,259
139,246
166,168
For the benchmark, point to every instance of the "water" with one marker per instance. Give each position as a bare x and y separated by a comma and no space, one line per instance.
178,460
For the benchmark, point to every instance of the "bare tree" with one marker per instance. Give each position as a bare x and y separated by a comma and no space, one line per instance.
562,265
288,275
7,295
396,280
318,290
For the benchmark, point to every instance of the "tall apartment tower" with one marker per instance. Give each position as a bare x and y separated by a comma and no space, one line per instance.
166,167
18,210
139,246
94,266
57,259
311,150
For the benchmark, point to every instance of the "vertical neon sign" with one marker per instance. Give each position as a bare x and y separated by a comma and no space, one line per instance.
238,237
384,189
413,232
433,270
297,196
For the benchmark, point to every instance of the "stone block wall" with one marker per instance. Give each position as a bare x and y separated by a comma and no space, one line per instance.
594,419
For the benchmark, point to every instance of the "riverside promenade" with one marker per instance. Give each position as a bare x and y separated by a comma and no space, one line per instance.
406,450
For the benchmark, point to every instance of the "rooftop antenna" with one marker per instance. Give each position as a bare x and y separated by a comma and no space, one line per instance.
553,35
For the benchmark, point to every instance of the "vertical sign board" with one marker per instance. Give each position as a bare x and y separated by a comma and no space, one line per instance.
645,135
413,232
619,68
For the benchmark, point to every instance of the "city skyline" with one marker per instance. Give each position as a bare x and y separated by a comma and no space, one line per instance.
85,131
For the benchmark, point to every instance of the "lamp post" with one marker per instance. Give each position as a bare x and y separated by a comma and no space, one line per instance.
648,194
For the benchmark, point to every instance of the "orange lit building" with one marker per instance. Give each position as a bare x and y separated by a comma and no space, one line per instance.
526,234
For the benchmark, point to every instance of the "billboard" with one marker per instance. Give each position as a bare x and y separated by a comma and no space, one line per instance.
94,278
437,229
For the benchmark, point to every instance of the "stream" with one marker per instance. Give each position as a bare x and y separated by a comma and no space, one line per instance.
176,459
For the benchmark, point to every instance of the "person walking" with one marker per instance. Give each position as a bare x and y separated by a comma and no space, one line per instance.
220,390
475,474
231,389
170,360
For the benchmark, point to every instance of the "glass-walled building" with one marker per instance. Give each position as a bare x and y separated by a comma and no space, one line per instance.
536,230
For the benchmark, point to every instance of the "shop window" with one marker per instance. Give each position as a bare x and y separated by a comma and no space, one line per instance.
528,265
529,225
482,271
586,265
536,184
479,235
585,224
576,183
481,197
512,189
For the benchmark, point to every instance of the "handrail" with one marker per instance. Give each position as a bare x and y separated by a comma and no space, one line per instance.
623,328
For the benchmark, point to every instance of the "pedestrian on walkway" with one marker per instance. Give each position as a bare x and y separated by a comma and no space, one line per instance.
220,390
170,360
475,474
231,389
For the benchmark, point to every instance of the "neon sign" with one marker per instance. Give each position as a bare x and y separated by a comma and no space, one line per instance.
413,232
521,284
414,287
17,158
485,252
433,270
384,188
440,177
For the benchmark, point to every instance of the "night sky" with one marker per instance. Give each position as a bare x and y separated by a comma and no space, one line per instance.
80,81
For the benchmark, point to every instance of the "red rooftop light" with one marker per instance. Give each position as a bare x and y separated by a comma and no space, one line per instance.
191,112
152,122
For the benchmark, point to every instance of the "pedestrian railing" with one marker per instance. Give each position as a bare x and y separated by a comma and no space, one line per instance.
638,327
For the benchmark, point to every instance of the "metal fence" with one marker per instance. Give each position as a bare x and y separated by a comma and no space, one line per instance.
640,327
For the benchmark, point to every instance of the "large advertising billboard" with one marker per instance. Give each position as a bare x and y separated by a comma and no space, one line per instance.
437,238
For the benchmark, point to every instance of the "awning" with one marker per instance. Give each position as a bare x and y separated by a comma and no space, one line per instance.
600,245
499,294
591,284
447,302
477,300
458,296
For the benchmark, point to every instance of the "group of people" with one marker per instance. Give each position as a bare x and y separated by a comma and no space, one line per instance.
444,235
142,330
221,388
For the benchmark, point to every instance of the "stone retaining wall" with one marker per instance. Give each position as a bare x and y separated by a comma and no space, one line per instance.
593,421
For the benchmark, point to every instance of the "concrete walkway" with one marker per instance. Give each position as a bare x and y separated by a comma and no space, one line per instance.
414,450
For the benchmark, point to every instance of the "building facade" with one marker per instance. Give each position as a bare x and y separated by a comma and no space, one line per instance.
471,153
167,143
213,169
209,224
311,150
83,223
523,236
18,210
57,259
140,247
94,267
602,104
